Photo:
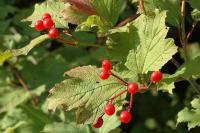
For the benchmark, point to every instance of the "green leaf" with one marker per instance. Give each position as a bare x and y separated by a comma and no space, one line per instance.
151,49
109,9
191,116
110,123
94,24
167,84
24,120
12,117
12,98
5,10
172,7
195,4
22,51
120,41
85,92
66,128
39,90
187,70
52,7
196,14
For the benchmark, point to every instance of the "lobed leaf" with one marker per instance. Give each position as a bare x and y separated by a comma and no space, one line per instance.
151,48
172,7
187,70
195,4
191,116
109,9
85,92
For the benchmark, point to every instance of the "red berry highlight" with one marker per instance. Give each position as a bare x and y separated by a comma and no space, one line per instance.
46,15
133,88
107,65
39,25
104,74
99,123
125,117
109,109
48,23
156,76
53,33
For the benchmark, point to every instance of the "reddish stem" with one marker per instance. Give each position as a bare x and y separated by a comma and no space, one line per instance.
191,31
142,5
126,83
130,103
117,95
127,20
65,41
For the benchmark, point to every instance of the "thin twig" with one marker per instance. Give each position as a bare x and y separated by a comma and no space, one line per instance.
127,20
68,42
34,99
176,63
194,85
120,79
191,30
117,95
183,35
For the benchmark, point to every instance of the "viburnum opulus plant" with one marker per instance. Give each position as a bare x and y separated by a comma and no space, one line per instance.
138,45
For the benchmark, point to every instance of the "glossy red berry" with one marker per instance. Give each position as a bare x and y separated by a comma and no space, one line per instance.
46,15
48,23
104,74
107,65
53,33
156,76
99,123
133,88
109,109
125,117
39,25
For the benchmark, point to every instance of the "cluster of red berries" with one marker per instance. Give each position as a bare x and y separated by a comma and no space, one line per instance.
107,66
47,23
132,88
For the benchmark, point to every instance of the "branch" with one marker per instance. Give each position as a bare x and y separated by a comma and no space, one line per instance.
183,35
34,99
127,20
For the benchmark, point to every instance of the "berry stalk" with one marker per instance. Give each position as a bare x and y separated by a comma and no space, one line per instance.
130,103
117,95
125,83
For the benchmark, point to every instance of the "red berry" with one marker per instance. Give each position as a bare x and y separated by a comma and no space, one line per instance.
39,25
99,123
53,33
46,15
125,117
107,65
133,88
48,23
109,109
104,74
156,76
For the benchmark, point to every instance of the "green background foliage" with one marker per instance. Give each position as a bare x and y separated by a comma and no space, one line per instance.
31,65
